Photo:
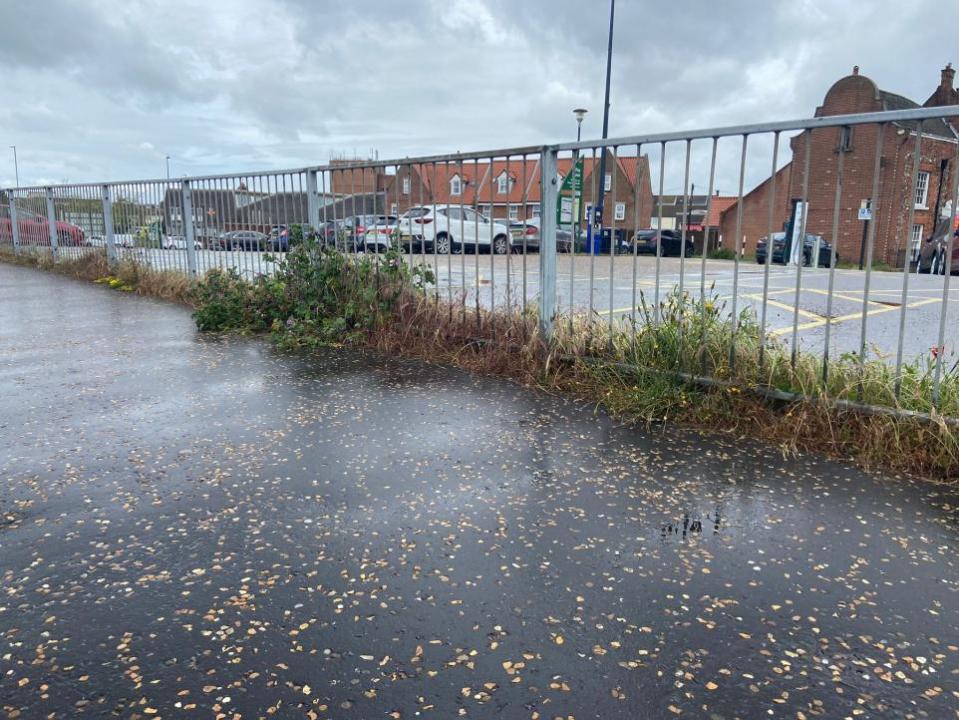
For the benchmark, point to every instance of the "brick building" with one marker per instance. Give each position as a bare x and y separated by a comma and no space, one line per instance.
895,239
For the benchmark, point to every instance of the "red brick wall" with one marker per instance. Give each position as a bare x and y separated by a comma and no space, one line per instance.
755,223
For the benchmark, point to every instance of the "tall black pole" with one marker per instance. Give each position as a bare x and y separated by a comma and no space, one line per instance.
598,219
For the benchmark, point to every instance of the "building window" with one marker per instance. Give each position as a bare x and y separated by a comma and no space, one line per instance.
514,212
845,139
484,210
922,189
503,184
456,186
915,240
406,184
534,211
608,183
394,209
620,211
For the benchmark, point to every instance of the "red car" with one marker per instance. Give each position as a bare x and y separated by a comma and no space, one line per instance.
35,230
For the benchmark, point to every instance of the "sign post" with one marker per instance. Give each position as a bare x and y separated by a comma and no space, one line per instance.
865,215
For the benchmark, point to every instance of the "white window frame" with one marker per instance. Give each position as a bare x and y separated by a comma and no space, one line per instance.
608,182
534,210
502,184
922,189
456,185
394,209
406,184
620,211
915,239
514,212
485,210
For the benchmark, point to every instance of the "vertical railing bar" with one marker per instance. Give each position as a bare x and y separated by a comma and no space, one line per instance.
739,242
601,184
950,247
637,215
52,226
509,234
612,239
436,284
525,220
492,240
870,242
702,275
547,252
575,218
108,226
659,232
837,202
682,247
770,219
476,276
14,221
807,137
916,159
462,236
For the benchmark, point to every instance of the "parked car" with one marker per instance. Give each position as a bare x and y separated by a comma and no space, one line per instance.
35,230
243,240
381,236
124,240
564,238
670,243
178,242
809,247
356,226
279,239
932,253
453,228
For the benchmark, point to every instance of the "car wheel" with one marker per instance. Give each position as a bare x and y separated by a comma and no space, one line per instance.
442,244
500,245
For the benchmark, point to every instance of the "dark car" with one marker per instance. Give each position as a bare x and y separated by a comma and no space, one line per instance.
670,243
243,240
809,247
279,240
933,253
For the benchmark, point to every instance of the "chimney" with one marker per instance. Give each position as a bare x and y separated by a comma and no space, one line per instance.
855,69
948,76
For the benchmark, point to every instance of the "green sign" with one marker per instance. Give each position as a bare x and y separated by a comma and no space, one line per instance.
570,193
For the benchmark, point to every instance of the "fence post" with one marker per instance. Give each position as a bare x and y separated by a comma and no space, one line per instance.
189,233
14,224
312,201
108,225
52,223
547,242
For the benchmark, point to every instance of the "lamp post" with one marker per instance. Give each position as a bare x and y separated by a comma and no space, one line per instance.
167,167
597,220
580,113
16,167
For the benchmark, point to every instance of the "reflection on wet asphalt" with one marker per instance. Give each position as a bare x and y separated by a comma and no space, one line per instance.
207,525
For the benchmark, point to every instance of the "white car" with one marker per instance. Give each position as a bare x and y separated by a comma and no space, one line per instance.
379,238
124,240
178,242
452,228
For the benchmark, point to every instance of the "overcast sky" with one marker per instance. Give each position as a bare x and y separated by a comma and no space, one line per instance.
105,89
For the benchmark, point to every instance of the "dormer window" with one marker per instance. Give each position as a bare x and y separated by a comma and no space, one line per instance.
503,184
456,185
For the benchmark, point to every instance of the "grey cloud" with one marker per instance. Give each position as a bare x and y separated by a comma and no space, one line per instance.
281,83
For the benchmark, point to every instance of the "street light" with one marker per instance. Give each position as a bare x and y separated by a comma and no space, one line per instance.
16,167
597,219
580,113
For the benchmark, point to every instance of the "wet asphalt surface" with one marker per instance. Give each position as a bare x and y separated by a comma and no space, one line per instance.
205,527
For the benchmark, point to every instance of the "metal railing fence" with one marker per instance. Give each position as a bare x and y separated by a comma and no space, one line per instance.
874,187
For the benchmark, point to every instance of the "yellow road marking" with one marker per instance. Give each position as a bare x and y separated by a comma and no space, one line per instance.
784,306
851,316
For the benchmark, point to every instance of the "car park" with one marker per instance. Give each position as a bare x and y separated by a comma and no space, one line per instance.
448,229
809,249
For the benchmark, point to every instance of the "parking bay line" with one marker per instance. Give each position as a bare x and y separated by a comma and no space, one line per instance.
851,316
